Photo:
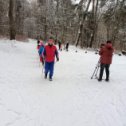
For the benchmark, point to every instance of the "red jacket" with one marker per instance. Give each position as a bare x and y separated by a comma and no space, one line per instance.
50,52
106,54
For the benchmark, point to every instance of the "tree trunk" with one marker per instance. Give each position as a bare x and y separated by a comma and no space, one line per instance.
11,20
81,24
45,30
94,34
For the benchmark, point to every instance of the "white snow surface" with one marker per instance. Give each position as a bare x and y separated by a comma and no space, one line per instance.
71,99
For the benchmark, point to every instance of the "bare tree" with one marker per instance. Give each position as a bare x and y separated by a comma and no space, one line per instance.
12,20
82,22
95,23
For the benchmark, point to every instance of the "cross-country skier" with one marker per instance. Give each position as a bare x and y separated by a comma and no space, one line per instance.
60,45
50,52
106,53
67,46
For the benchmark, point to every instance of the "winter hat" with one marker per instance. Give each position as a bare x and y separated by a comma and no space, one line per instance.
108,41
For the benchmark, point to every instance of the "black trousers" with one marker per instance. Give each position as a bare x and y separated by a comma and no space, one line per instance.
106,67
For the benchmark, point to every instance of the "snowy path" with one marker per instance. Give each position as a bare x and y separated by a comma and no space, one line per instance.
72,99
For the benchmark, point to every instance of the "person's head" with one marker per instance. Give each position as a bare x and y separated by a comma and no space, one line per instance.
38,41
109,41
50,42
102,45
109,45
41,42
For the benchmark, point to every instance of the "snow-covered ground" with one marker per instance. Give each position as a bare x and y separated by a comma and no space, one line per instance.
71,99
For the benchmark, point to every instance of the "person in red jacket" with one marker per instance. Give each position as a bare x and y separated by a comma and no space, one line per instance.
106,53
50,52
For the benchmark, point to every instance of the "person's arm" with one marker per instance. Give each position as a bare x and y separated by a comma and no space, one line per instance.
57,54
44,52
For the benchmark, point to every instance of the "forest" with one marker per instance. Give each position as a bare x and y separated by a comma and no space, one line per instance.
84,23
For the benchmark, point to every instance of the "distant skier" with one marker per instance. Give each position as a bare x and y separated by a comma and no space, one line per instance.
106,53
50,52
60,45
67,46
40,51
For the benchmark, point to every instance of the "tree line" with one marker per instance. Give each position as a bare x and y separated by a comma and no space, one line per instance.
87,23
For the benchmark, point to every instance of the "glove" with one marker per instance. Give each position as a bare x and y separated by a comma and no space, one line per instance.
57,59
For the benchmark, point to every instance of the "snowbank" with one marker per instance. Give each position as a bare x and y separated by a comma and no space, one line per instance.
71,99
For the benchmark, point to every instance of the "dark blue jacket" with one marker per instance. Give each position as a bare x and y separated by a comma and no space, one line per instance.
41,50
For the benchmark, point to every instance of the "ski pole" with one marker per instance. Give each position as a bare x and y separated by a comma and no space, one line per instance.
96,70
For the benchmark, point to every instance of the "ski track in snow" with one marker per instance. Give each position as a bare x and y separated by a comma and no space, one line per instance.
71,99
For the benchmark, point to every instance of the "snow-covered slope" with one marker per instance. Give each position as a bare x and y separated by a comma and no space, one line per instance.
71,99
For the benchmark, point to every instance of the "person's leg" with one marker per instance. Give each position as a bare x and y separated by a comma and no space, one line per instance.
107,71
101,71
46,69
51,70
59,46
42,61
66,48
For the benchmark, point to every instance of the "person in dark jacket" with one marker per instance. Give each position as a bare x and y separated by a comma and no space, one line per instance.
67,46
50,52
106,53
60,45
